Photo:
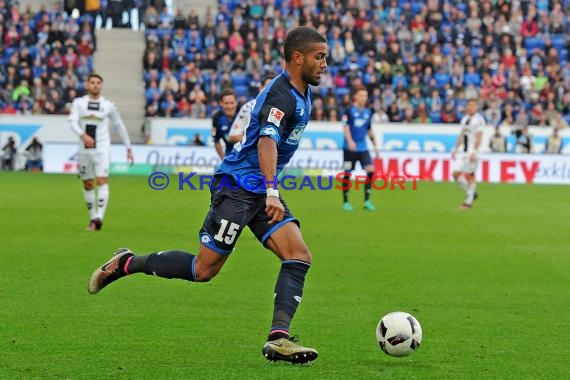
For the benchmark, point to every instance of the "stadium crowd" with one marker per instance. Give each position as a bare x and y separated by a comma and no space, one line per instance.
420,60
45,57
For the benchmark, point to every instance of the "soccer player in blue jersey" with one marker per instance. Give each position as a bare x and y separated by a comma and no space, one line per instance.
357,125
272,136
222,122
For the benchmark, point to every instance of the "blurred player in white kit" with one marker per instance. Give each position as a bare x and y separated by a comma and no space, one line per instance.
464,154
89,118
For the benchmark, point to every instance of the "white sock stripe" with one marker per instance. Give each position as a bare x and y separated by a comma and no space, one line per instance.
295,261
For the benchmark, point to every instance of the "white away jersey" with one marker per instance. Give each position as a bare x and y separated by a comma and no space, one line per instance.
469,126
242,119
91,116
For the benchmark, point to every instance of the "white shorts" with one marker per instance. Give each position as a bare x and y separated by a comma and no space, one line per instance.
93,164
463,164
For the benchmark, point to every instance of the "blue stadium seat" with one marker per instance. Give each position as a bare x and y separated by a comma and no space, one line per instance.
532,43
559,42
333,70
362,61
461,6
8,52
341,91
189,33
239,79
417,7
242,90
441,79
33,51
435,117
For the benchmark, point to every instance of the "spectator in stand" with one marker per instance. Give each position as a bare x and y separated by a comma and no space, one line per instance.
493,113
448,114
151,17
422,115
554,143
524,141
168,81
498,142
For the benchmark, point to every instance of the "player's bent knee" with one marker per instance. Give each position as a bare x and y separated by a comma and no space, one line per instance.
205,273
303,255
88,184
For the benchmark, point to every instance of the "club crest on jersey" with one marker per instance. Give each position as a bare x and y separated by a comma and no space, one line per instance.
268,131
275,116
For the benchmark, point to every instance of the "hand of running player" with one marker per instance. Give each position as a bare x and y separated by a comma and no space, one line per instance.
88,141
352,145
274,209
453,152
473,157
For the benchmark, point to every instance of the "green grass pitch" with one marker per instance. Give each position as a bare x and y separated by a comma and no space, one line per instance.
490,286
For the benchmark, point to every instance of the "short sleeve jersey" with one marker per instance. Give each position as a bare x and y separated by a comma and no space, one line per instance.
281,112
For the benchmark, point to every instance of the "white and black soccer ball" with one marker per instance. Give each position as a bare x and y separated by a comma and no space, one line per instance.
399,333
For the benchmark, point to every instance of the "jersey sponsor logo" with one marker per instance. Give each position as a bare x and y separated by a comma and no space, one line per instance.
93,106
275,116
268,131
302,112
91,118
295,136
359,123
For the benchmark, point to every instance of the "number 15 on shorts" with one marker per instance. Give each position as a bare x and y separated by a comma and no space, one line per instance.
228,236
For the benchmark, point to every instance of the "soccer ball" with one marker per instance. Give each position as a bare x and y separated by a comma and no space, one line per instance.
399,333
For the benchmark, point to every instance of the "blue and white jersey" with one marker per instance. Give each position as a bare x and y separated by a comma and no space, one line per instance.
359,123
221,124
281,112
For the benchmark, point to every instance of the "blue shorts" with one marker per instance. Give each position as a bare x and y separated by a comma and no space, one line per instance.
351,157
232,209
